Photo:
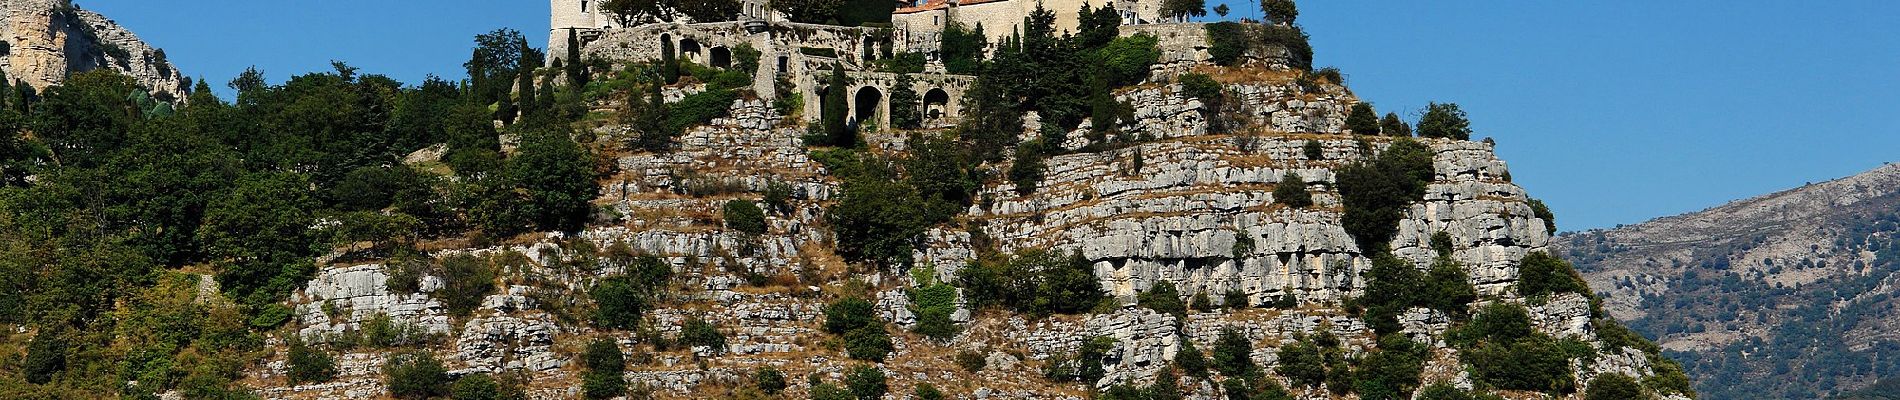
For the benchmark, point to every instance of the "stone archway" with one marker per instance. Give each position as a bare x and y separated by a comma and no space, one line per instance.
719,57
689,50
666,41
936,104
867,105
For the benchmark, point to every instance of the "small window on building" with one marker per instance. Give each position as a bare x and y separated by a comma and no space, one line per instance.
583,6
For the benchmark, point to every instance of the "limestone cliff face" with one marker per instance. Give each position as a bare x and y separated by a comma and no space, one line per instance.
48,39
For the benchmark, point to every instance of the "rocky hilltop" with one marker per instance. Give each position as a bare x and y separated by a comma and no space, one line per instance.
1743,290
41,41
1185,208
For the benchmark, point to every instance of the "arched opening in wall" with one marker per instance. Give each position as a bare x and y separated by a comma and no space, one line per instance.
689,49
869,100
666,42
719,57
784,63
936,104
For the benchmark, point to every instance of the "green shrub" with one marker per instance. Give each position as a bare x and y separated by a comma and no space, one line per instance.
1314,150
1291,191
1227,42
1084,365
697,332
933,305
699,109
770,380
870,343
1290,37
1392,286
415,375
1301,364
972,361
1233,353
867,382
1536,363
828,391
308,365
1448,289
1026,171
743,216
605,367
1445,391
927,391
271,316
1377,193
1034,282
475,387
1200,86
620,303
1163,298
1392,370
1200,302
1189,359
1614,386
1126,60
1665,376
1234,298
1444,121
1541,211
466,280
849,314
1391,125
1362,121
1540,274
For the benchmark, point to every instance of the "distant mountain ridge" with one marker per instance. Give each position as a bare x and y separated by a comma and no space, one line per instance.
1759,294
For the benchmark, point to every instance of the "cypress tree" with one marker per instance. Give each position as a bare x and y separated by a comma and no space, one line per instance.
525,93
576,70
833,114
669,67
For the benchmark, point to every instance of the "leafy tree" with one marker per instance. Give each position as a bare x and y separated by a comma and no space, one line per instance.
1227,42
906,106
1282,12
745,217
558,176
1291,191
866,381
415,375
1391,371
308,365
1181,10
709,10
870,343
1448,288
476,387
1233,353
1026,171
1541,274
1301,363
1189,359
962,48
696,332
1163,298
1235,298
627,12
878,220
770,380
1445,391
605,366
1126,60
1391,125
1200,302
833,109
466,280
933,305
45,356
1376,193
1614,386
492,69
1034,282
848,314
1313,150
828,391
1391,287
260,233
1362,121
1290,37
1535,363
1444,121
1541,211
1222,10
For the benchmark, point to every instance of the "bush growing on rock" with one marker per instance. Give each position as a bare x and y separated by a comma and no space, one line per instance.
869,343
1541,211
466,280
1083,365
1190,360
1291,191
972,361
1362,120
475,387
1234,298
1614,386
1127,59
927,391
933,305
745,217
696,332
1034,282
308,365
1540,274
415,375
1391,125
1301,364
1377,192
1200,302
866,382
769,380
849,314
1313,150
1227,42
1163,298
1444,121
605,367
1392,370
1233,353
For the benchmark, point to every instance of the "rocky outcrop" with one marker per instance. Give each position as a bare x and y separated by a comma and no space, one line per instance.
45,40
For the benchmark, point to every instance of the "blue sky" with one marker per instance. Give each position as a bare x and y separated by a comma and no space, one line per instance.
1612,111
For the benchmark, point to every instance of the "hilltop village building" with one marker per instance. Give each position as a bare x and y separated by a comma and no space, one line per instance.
804,53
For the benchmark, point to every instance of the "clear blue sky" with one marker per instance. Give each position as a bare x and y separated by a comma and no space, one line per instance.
1612,111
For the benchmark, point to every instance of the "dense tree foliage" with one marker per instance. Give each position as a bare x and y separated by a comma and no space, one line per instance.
415,375
1391,125
1362,120
1283,12
1291,191
1034,282
1377,192
1444,121
605,364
